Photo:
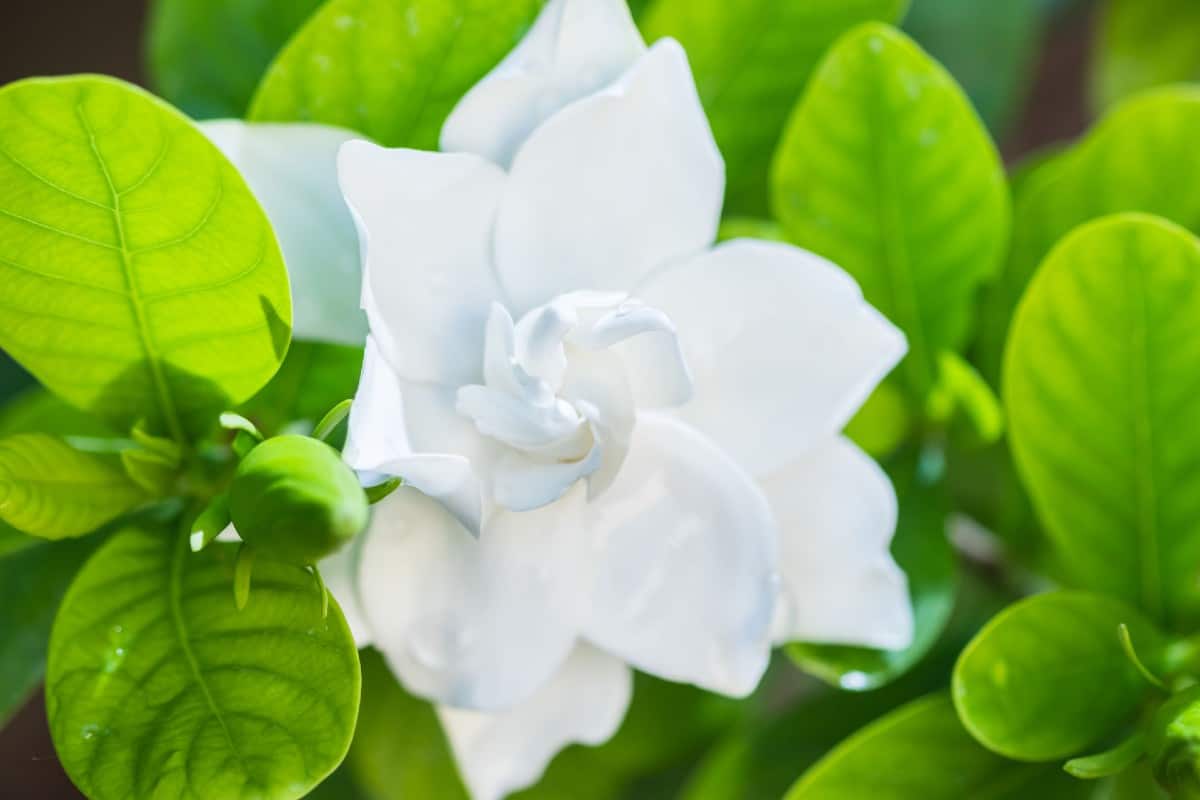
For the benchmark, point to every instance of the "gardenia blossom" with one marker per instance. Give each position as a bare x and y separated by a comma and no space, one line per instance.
621,443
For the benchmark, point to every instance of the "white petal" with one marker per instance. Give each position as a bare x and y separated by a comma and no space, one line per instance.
292,170
472,623
611,186
683,552
340,573
425,222
782,347
575,48
837,513
378,446
504,751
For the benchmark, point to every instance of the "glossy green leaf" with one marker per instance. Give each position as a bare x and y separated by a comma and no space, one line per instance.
923,552
51,490
314,376
142,281
158,687
991,48
1124,162
751,60
33,579
389,69
1098,387
207,56
1141,44
886,170
921,752
1047,678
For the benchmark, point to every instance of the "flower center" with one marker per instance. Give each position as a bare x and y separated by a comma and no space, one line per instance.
556,399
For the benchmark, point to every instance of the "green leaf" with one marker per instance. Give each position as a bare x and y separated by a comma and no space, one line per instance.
206,56
1047,678
314,376
158,687
1141,44
752,60
921,752
1099,374
1144,144
921,549
991,49
886,170
51,490
141,278
389,69
33,580
1110,762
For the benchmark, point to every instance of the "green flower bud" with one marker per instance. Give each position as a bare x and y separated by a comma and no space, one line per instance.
295,500
1173,745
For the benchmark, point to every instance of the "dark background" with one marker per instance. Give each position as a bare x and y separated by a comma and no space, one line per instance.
53,37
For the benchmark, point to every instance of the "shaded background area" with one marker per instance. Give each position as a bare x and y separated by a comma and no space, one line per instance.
47,37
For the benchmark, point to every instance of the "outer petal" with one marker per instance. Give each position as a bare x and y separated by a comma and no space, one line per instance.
837,513
425,223
575,48
471,623
782,346
611,186
292,170
377,444
502,752
683,552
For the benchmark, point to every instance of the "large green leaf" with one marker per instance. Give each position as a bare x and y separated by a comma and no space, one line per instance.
1099,383
142,281
921,752
1141,44
886,170
33,579
1123,164
390,69
922,550
751,60
206,56
991,49
1048,677
157,686
51,490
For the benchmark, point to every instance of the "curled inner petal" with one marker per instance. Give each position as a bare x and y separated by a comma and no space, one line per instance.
556,394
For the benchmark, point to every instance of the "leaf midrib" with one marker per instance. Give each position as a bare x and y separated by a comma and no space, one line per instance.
901,281
1143,449
166,402
179,625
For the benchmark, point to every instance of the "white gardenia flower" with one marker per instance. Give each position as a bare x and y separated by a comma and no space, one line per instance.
621,443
